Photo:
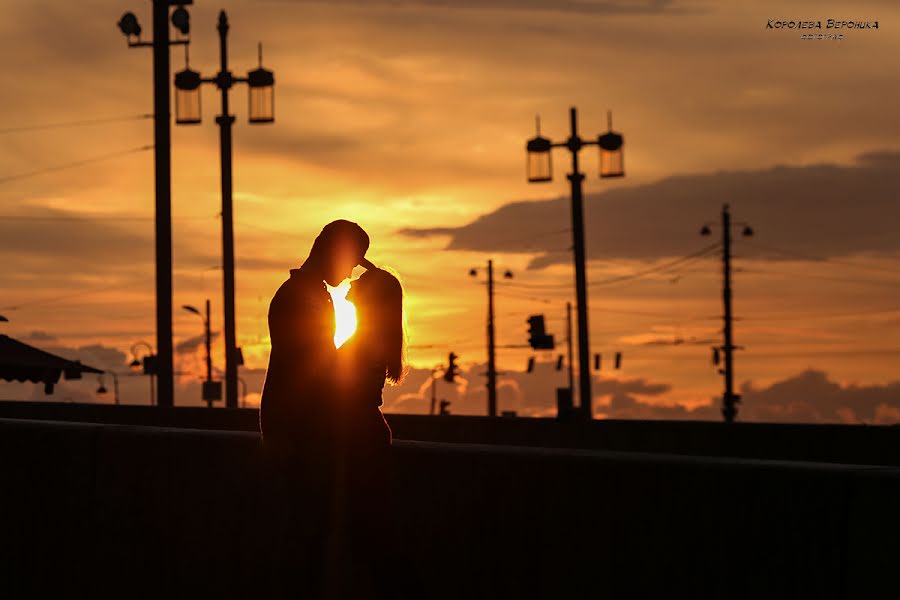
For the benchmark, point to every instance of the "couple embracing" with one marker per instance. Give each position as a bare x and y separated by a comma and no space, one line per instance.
320,414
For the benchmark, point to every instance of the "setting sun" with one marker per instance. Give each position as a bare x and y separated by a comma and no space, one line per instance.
344,313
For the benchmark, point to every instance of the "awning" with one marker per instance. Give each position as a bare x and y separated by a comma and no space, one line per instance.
21,362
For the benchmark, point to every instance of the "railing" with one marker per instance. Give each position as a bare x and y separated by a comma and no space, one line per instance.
103,509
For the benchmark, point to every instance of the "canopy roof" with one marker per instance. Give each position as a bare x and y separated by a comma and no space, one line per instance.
21,362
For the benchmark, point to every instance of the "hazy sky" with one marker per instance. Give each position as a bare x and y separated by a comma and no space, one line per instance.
411,118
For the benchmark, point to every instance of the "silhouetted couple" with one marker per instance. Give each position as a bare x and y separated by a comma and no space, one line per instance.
322,424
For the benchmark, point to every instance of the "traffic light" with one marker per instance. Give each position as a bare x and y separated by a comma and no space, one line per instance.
596,362
452,369
537,334
618,359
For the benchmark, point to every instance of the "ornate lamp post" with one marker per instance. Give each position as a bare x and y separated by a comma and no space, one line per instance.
540,169
261,83
149,365
102,391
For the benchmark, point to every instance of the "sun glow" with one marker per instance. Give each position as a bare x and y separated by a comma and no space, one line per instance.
344,313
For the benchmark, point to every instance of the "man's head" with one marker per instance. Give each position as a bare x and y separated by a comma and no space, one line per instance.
341,246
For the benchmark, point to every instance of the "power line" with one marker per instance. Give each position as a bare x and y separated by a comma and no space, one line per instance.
105,288
891,284
702,253
841,315
811,257
683,261
81,123
77,163
97,218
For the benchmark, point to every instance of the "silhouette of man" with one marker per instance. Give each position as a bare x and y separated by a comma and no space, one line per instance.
299,381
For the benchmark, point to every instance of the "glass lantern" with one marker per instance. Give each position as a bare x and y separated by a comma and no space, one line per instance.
540,167
612,160
262,95
187,97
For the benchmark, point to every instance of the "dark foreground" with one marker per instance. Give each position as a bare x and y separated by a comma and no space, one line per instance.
127,511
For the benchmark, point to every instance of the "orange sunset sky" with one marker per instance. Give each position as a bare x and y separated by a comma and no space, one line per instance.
411,118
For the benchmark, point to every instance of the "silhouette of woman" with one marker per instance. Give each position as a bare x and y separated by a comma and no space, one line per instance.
373,356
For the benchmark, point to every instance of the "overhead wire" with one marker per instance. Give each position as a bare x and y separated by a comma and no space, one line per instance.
77,163
79,123
815,258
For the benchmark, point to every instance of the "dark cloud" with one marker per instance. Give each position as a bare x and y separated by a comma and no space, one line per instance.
588,7
190,345
810,397
823,210
54,236
39,336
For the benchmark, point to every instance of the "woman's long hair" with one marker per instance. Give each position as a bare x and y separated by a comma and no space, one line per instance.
381,329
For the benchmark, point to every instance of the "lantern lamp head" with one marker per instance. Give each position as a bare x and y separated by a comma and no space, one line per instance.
181,19
540,165
262,93
129,25
187,97
612,160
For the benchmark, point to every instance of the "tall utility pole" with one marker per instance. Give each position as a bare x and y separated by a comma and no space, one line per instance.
130,27
539,170
491,345
492,365
162,140
225,121
729,398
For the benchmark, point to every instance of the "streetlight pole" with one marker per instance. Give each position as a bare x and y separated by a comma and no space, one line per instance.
225,121
569,344
129,26
539,170
208,343
261,103
149,365
575,179
492,358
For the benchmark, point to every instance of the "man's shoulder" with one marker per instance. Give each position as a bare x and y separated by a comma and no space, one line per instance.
299,289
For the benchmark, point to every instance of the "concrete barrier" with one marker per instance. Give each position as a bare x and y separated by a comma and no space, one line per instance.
91,509
853,444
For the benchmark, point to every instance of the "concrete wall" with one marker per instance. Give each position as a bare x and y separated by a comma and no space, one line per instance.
141,511
849,444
